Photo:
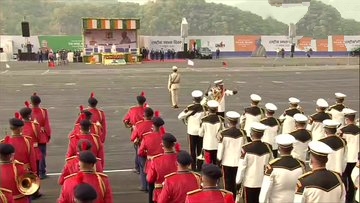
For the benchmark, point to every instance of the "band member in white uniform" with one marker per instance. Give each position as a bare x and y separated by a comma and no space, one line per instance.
320,185
355,179
253,113
210,127
336,110
218,93
302,136
282,173
315,125
337,160
350,132
229,150
254,157
287,118
273,129
191,116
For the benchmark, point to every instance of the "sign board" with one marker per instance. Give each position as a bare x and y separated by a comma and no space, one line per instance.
56,43
115,59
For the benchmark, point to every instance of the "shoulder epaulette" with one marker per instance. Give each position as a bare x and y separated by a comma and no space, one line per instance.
69,176
102,174
95,135
69,158
171,174
194,192
97,158
274,161
305,174
18,162
225,191
246,144
72,136
195,173
146,133
35,122
157,156
139,122
263,119
5,190
27,137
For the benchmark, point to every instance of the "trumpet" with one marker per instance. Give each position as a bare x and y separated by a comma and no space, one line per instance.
28,184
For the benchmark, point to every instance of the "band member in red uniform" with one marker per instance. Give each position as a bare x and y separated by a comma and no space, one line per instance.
162,165
41,116
72,163
10,171
95,128
150,146
31,129
98,116
25,152
142,126
209,191
87,174
6,196
135,113
85,193
179,183
98,147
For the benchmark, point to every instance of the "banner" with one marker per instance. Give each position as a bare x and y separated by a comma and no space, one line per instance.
106,38
223,43
246,43
322,45
55,43
115,59
162,42
304,43
345,43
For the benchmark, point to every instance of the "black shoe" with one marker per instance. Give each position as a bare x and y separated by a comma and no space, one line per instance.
42,177
35,196
176,107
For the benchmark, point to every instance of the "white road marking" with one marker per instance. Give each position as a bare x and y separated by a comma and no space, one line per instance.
297,73
18,90
51,107
4,71
158,87
277,82
45,72
204,82
70,84
240,82
105,171
28,84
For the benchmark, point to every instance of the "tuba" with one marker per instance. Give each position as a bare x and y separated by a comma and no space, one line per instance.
28,184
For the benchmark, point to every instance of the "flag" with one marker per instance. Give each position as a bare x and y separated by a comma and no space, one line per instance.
190,63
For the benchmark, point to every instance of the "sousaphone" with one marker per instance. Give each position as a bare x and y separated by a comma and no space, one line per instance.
28,184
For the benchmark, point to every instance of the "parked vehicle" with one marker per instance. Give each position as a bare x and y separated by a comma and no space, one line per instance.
204,53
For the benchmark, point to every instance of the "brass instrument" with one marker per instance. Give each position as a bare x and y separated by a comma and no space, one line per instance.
28,184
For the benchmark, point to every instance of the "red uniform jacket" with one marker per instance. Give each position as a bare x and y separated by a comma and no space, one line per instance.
9,172
99,181
97,147
32,129
210,194
161,165
98,117
94,129
134,115
140,128
177,185
72,166
6,196
41,116
150,146
25,152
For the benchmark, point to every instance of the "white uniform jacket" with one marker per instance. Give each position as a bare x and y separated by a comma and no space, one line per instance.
316,126
288,122
351,134
336,160
271,132
280,178
229,149
254,157
210,127
303,137
192,118
251,114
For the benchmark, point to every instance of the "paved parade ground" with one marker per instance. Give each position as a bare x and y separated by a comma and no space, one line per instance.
64,88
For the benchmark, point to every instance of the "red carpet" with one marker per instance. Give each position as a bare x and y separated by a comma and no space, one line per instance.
166,61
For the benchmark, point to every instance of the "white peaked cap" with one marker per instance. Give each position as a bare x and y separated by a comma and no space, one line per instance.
322,103
348,111
293,100
340,95
196,93
232,115
270,107
285,140
300,118
174,67
212,104
320,148
218,82
255,97
328,123
258,127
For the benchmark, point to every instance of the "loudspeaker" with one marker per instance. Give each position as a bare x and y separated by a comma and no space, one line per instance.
25,28
185,47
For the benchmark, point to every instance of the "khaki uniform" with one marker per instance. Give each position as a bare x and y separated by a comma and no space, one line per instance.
174,86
